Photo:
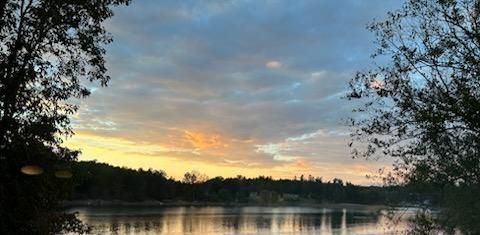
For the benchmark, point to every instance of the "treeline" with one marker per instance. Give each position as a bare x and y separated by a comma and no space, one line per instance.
94,180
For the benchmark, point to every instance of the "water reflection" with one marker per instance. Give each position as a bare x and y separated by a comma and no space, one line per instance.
237,221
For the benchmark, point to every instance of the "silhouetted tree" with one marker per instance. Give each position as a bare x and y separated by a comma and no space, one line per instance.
422,105
190,178
194,177
101,181
47,47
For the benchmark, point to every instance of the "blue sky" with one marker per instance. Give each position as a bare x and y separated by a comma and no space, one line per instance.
231,87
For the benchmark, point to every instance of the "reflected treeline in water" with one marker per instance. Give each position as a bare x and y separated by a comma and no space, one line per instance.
236,220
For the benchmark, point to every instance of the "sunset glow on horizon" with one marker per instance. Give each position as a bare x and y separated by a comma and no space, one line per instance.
229,88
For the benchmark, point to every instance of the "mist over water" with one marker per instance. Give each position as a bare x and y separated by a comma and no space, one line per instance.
239,220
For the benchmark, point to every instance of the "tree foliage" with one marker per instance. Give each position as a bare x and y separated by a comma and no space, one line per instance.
101,181
194,177
422,102
47,48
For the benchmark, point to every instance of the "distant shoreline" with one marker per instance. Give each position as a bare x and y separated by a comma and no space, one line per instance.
151,203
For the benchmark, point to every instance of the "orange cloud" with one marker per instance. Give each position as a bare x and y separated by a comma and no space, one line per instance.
204,141
300,164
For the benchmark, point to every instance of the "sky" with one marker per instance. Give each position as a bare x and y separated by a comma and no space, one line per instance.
231,88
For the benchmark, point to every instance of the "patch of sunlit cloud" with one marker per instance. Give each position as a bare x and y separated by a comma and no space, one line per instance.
318,74
271,148
307,136
273,64
298,147
287,158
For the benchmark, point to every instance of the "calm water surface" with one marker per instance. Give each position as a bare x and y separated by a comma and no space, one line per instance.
238,220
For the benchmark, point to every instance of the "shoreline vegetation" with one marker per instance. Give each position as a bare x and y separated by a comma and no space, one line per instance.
152,203
100,184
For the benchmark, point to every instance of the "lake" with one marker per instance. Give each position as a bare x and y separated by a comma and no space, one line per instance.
249,220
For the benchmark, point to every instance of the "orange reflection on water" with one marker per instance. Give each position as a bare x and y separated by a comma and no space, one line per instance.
238,221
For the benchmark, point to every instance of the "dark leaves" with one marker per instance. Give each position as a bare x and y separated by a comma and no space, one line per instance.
48,48
427,111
